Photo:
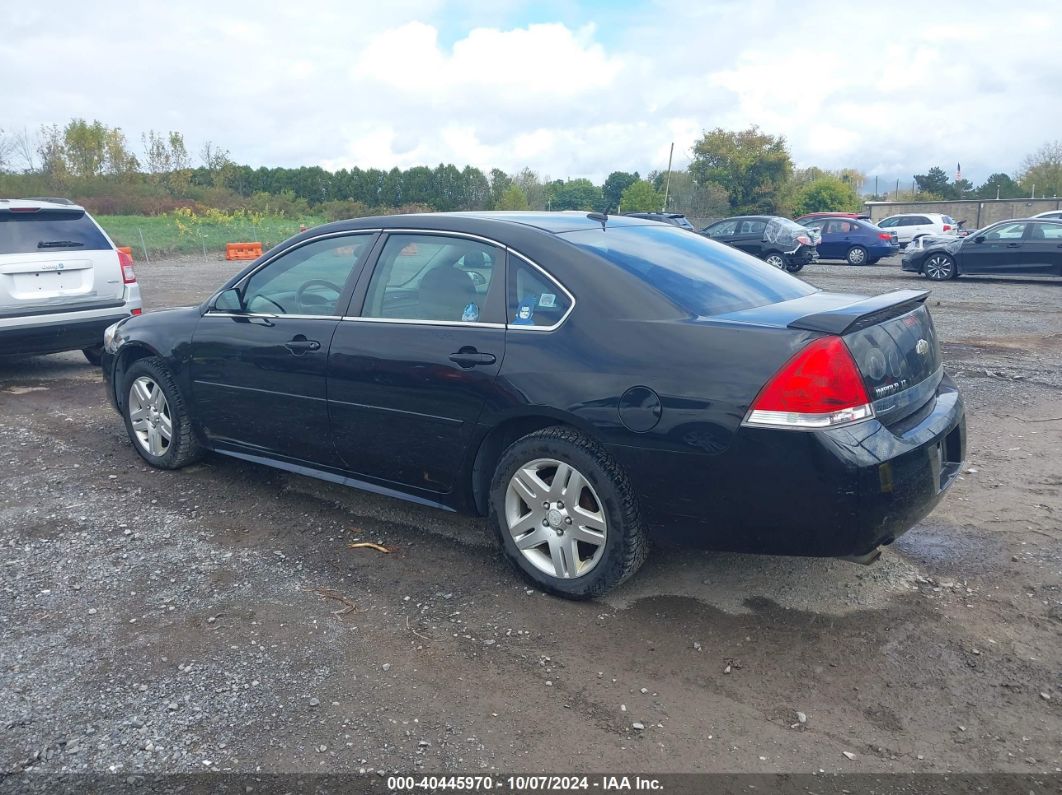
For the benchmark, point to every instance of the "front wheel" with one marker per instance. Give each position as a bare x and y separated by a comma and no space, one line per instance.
857,255
775,260
566,515
939,267
156,417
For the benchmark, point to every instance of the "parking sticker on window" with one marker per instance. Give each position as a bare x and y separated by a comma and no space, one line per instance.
547,300
471,314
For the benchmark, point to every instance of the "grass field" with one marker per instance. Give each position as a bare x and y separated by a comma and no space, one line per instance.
189,233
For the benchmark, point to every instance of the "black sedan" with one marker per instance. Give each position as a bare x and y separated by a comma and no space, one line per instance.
777,241
1031,246
586,381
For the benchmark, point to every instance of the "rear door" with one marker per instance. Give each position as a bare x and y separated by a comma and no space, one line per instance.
258,367
55,260
996,251
414,362
1042,249
833,243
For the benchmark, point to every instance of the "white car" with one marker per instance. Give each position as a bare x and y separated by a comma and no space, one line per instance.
62,281
910,226
1054,215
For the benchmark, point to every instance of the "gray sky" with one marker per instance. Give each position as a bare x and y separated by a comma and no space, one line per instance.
569,89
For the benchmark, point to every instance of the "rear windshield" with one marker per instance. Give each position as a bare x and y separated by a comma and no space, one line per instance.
699,275
49,230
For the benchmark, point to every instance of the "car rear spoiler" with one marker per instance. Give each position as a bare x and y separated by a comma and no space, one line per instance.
862,313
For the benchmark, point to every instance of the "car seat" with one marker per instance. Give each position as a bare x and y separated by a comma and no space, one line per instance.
444,293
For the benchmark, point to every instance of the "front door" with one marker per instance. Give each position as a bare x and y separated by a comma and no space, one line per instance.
998,251
410,371
258,356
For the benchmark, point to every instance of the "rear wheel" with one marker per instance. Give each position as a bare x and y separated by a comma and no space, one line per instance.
94,354
939,267
857,255
794,267
873,260
775,259
566,515
156,417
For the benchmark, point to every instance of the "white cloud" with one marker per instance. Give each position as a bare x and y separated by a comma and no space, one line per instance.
890,90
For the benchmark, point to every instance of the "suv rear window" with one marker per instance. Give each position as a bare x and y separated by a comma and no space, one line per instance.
49,230
699,275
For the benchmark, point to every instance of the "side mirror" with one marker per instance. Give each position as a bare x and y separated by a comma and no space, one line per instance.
229,301
979,239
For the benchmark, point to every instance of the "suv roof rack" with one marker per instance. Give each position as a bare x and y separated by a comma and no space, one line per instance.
52,199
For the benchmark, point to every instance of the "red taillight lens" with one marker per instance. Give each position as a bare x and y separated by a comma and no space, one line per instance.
136,312
947,227
128,277
820,387
885,236
25,209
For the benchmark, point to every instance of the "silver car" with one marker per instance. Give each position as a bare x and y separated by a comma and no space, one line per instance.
62,281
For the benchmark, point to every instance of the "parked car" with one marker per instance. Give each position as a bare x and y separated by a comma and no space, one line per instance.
910,226
1025,246
777,241
1053,215
813,216
584,382
675,219
62,281
855,241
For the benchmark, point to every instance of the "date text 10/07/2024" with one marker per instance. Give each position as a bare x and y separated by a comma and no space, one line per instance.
398,784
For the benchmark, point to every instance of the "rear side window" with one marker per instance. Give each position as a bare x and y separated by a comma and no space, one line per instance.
696,274
919,220
534,300
49,230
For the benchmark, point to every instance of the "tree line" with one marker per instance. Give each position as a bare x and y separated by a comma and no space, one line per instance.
731,172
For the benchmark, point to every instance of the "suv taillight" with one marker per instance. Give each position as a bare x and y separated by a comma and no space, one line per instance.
128,277
820,387
947,227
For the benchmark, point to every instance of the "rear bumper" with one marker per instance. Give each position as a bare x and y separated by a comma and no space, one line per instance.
803,256
879,252
64,334
825,494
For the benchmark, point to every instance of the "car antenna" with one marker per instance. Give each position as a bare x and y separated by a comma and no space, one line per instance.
602,217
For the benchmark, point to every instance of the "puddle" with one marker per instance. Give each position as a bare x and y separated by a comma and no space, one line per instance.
948,549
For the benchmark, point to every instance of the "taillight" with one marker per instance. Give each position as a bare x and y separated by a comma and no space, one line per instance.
803,240
25,209
947,227
820,387
137,312
885,236
126,261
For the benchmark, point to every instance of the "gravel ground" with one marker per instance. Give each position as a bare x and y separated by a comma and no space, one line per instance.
215,619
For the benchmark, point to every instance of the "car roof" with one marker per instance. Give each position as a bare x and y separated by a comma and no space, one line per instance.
483,222
40,203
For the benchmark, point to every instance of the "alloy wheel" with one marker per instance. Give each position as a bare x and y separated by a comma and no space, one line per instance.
149,414
555,518
857,256
777,260
938,267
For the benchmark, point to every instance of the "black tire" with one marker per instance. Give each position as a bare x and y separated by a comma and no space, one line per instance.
795,267
626,544
776,259
182,448
857,255
939,267
873,260
94,354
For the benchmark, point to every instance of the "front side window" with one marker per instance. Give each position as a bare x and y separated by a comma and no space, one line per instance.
534,299
433,277
1006,232
307,280
721,229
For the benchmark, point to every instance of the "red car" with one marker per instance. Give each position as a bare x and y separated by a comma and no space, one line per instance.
811,216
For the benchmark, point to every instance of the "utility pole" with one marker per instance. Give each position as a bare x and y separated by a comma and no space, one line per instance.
667,182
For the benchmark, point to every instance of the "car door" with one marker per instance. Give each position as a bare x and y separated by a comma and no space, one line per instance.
258,355
416,358
1042,249
832,245
749,236
997,250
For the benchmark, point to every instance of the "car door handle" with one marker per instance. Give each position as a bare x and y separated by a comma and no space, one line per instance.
1013,245
470,357
300,345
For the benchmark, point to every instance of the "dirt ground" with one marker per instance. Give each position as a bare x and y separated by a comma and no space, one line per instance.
215,619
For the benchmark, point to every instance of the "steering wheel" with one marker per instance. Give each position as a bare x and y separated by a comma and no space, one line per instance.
301,292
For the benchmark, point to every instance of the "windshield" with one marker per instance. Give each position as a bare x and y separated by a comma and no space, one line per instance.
49,230
699,275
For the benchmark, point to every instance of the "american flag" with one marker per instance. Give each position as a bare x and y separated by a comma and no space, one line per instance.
958,172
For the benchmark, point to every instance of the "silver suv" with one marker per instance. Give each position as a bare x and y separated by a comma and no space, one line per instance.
62,281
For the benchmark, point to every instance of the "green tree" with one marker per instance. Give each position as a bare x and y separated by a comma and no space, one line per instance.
999,186
641,197
1042,171
512,198
685,195
934,181
117,159
826,193
750,165
84,145
534,189
500,182
615,184
51,149
575,194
